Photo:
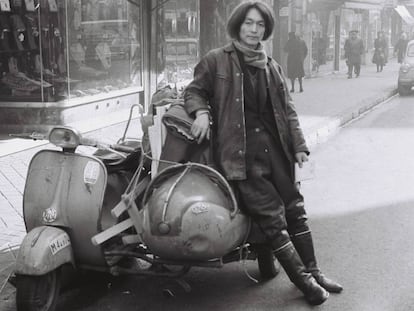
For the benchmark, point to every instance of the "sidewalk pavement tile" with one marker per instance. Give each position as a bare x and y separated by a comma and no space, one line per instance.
7,292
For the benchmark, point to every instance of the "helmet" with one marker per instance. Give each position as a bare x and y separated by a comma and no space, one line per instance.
190,213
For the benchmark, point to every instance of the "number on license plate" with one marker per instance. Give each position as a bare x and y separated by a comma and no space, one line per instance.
59,243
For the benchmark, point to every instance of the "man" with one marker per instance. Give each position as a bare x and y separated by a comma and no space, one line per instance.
257,139
318,51
354,48
401,47
297,51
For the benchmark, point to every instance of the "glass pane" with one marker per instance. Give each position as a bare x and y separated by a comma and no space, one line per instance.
179,47
104,39
20,62
50,60
52,50
410,51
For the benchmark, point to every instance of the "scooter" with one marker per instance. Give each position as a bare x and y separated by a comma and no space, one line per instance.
104,212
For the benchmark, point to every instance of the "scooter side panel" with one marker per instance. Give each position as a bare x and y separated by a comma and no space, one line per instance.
43,250
67,190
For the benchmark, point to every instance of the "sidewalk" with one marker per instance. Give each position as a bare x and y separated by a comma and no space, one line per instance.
329,101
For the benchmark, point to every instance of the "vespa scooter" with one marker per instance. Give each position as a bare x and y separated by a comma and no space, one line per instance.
67,200
96,212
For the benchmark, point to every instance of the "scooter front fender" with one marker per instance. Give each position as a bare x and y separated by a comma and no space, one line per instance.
44,249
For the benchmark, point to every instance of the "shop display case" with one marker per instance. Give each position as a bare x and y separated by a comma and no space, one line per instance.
54,50
66,60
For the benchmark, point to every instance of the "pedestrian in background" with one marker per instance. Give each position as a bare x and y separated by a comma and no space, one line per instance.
400,47
354,48
297,51
257,139
380,48
318,51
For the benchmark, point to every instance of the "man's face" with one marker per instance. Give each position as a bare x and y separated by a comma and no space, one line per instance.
353,35
252,29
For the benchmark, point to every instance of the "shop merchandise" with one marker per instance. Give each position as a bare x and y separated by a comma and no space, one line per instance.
46,38
104,54
33,49
5,30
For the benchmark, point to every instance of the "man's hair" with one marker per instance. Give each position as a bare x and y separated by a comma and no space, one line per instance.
238,16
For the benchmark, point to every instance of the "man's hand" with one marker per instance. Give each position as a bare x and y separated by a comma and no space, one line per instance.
201,126
301,157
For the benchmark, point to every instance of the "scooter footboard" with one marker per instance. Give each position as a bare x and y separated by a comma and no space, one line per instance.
44,249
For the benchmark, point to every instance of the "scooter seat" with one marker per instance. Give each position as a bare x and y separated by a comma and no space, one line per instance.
115,162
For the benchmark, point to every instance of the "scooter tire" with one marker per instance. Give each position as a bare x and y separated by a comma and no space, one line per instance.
268,266
38,293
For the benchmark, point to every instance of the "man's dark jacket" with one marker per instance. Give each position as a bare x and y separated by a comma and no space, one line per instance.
354,48
218,87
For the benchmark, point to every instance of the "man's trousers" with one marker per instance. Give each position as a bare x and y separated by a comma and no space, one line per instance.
269,194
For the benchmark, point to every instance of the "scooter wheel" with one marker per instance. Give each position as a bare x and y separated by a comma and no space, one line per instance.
268,265
37,293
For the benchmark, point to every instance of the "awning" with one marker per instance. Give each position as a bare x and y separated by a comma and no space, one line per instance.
364,5
324,5
405,15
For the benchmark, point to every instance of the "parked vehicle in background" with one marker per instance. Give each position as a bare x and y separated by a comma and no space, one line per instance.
406,73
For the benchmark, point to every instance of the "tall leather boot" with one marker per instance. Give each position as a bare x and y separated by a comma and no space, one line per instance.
296,271
304,245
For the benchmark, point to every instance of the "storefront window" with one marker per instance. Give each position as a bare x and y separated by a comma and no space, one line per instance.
178,22
52,50
187,30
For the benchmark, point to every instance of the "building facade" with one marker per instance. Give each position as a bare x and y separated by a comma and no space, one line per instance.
68,61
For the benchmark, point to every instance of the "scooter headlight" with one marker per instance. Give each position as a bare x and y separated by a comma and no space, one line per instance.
64,137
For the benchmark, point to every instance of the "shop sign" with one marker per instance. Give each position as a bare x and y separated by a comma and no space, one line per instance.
284,11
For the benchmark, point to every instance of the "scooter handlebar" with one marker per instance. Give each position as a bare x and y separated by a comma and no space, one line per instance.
117,147
33,136
86,141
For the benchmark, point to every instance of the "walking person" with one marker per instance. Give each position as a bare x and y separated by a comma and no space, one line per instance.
239,97
297,51
354,48
318,51
380,48
401,47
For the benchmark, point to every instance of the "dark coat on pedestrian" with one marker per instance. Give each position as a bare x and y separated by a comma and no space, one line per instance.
218,85
400,48
354,48
318,50
380,50
297,51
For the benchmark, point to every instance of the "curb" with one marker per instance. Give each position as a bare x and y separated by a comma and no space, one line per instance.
322,132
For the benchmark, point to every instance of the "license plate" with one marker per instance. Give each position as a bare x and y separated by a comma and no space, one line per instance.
61,242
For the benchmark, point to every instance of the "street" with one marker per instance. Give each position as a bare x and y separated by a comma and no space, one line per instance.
361,207
359,204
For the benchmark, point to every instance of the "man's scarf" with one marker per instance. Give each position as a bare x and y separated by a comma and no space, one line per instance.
256,58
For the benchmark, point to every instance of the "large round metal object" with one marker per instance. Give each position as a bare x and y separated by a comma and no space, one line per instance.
190,214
